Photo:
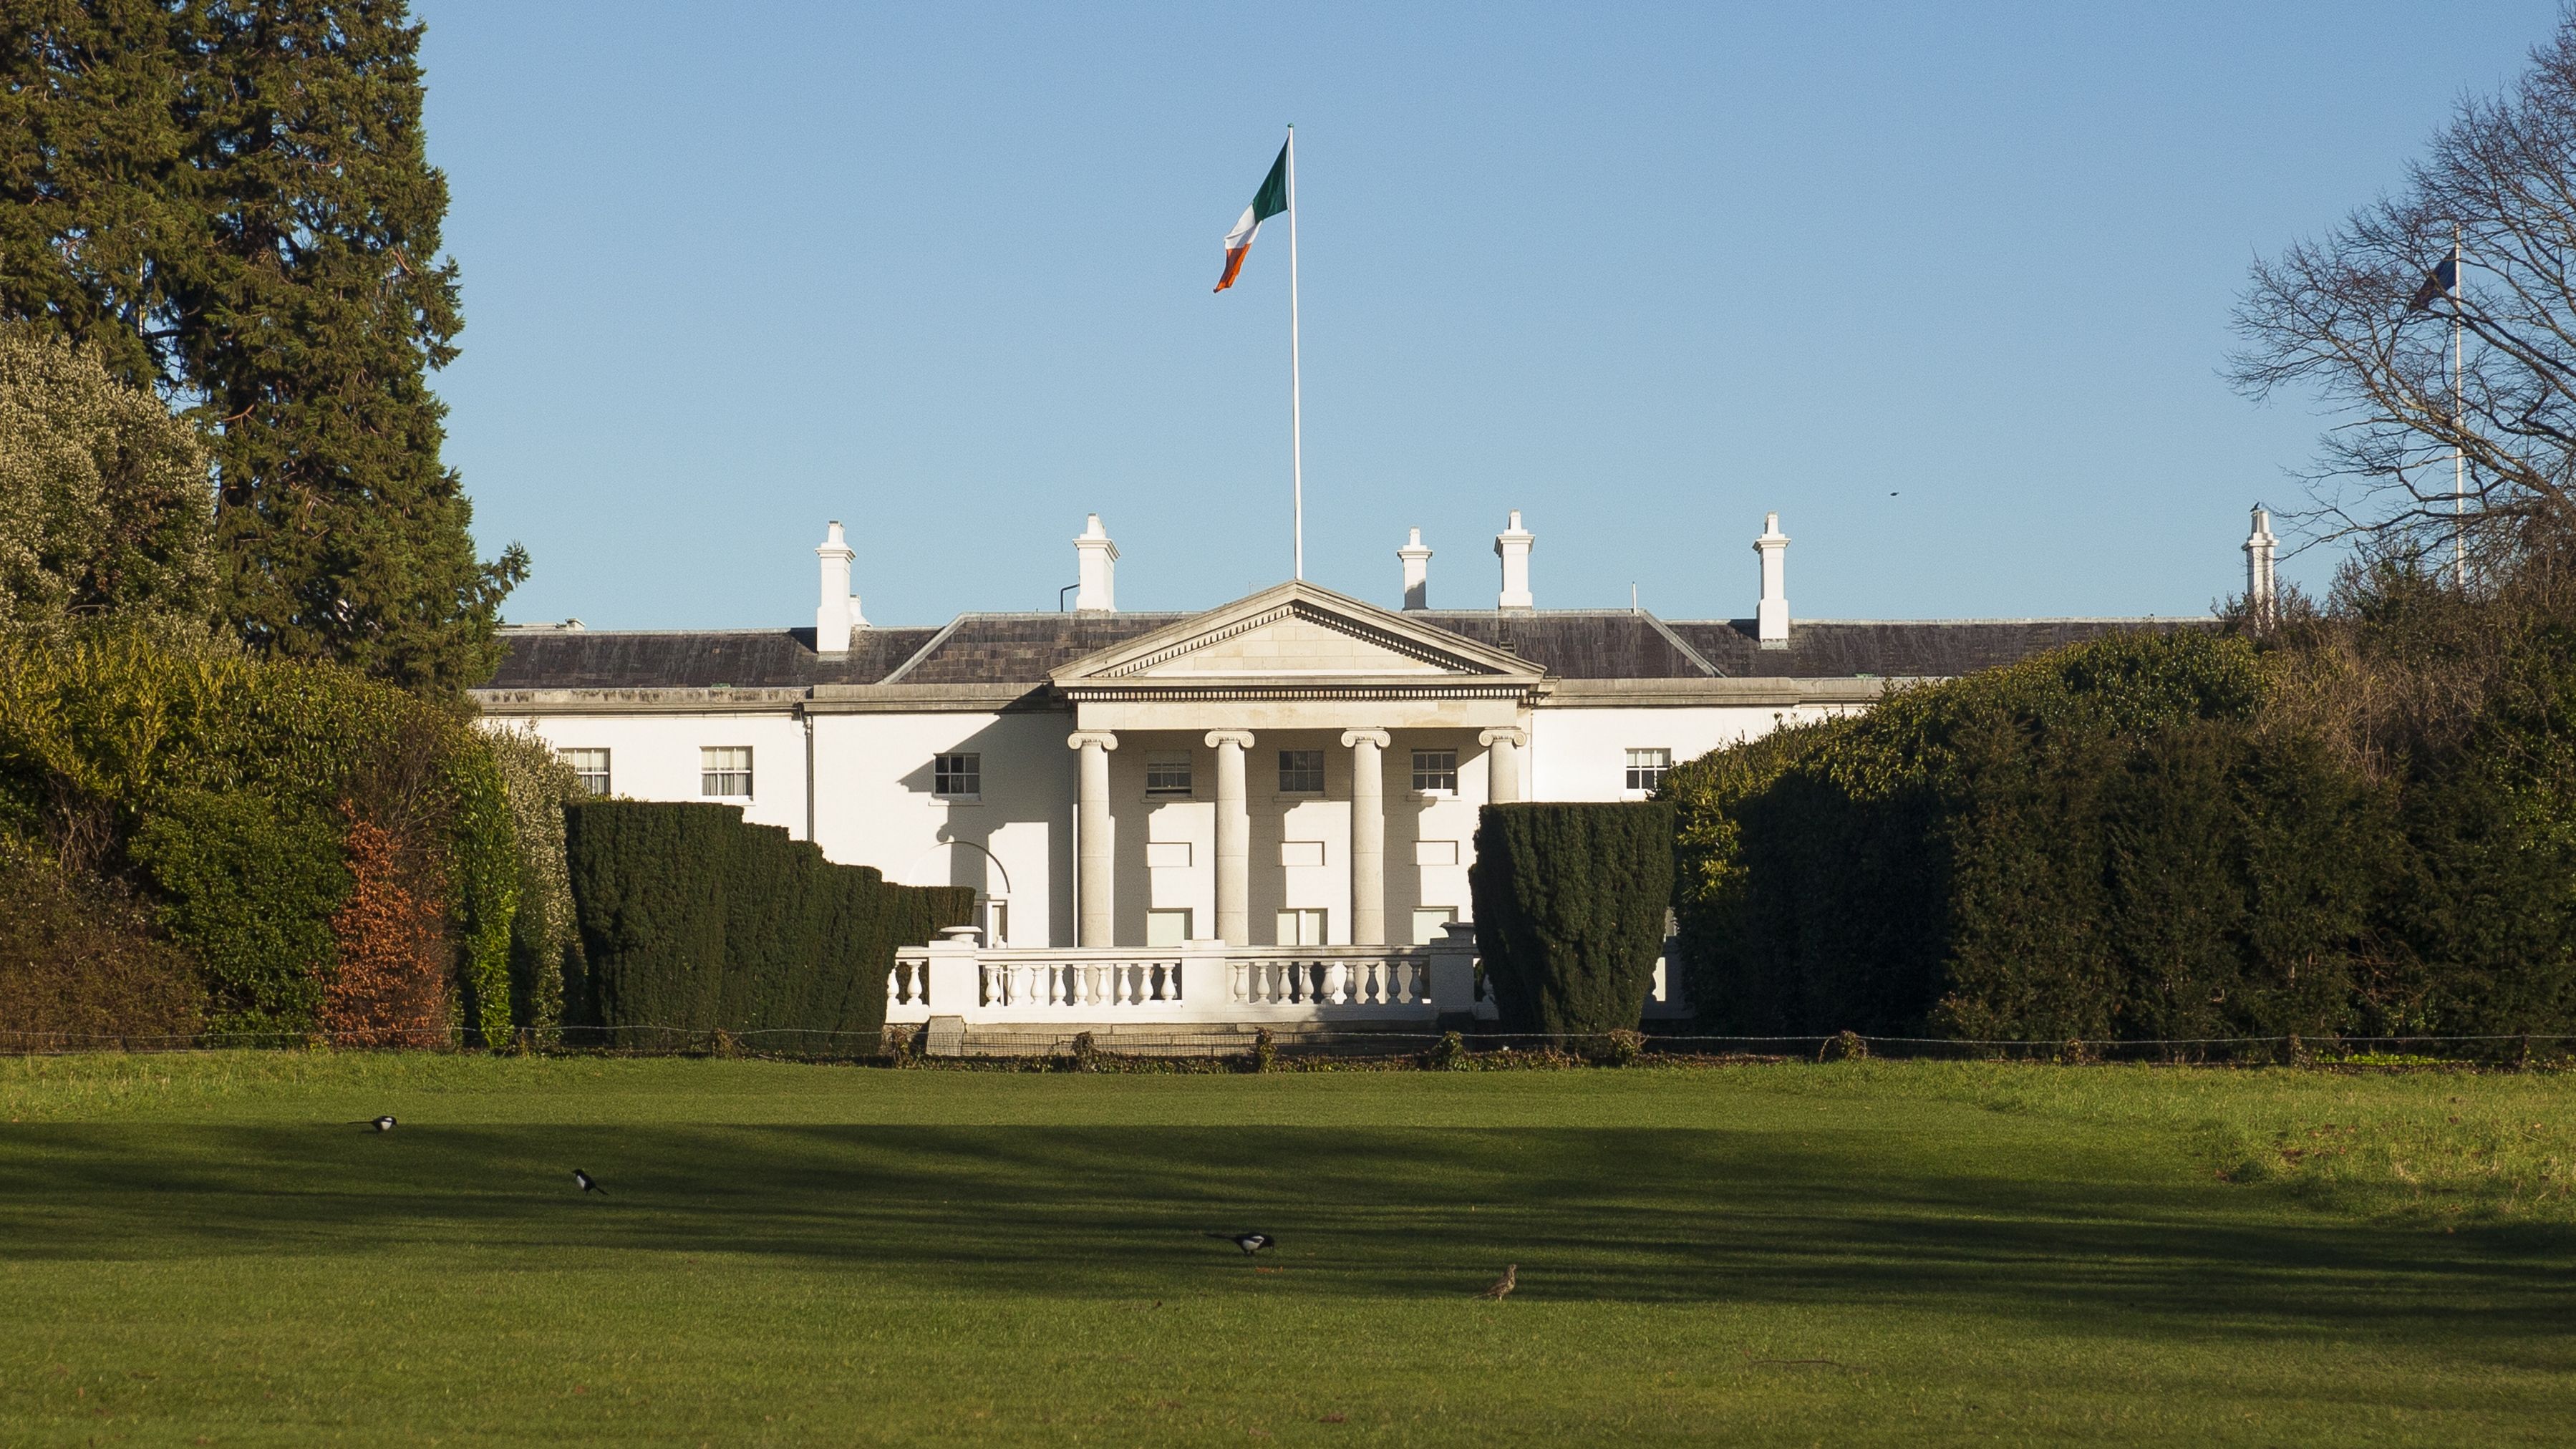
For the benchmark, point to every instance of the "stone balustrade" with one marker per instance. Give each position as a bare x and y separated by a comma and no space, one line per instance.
1202,983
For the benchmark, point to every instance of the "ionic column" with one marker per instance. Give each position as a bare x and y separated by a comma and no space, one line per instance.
1095,873
1502,764
1233,839
1368,836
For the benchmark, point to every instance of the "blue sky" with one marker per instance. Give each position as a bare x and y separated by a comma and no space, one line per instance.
1946,285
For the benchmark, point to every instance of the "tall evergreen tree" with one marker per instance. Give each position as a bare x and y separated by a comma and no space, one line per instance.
240,188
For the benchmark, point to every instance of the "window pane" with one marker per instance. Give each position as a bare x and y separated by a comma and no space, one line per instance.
1435,770
1301,772
725,770
1646,768
1167,774
591,766
957,775
1301,928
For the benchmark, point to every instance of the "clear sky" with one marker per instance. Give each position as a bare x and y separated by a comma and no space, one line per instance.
1946,285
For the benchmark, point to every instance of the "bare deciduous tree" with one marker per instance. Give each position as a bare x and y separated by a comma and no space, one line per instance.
2354,318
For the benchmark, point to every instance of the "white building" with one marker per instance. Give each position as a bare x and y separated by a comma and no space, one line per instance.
1271,779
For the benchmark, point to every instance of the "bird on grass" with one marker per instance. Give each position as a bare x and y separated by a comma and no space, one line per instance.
1250,1243
381,1124
588,1183
1503,1286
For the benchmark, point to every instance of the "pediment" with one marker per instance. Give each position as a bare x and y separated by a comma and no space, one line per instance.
1291,633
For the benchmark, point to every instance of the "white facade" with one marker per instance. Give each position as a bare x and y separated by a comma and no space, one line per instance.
1294,769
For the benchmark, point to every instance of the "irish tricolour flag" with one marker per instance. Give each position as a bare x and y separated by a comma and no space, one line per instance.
1268,202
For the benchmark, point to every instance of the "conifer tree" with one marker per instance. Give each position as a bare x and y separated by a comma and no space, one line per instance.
231,199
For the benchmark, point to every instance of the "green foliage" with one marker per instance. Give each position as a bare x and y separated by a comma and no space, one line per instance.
693,922
545,950
233,203
82,967
2108,841
249,882
484,853
217,789
1571,902
104,505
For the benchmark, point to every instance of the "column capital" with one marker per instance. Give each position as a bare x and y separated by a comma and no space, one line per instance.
1507,735
1084,739
1240,739
1354,738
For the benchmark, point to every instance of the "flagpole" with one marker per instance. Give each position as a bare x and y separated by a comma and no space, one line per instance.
1296,418
2459,459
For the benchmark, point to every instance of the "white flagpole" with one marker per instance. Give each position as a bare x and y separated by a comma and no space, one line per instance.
2459,459
1296,418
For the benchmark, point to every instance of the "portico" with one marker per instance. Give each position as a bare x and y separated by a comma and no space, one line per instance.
1306,713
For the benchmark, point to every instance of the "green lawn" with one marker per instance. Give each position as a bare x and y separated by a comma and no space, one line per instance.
200,1250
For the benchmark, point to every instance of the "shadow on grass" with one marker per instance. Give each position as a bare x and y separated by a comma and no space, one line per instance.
2078,1234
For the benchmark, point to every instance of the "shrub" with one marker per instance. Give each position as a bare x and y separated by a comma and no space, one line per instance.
693,921
249,883
483,852
1571,903
81,966
388,988
545,950
215,789
2113,841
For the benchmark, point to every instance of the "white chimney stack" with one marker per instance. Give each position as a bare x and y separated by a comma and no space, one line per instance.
1771,623
1098,558
837,612
2259,548
1417,571
1512,546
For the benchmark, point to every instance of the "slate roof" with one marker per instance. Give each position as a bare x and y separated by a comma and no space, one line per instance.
1027,648
1022,648
1899,649
1577,643
695,658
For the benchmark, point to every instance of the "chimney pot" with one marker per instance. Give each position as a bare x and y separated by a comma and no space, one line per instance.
1512,546
1097,559
1771,620
836,611
2260,585
1417,571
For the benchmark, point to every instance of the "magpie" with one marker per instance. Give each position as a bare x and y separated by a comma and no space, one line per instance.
381,1124
587,1184
1250,1243
1503,1286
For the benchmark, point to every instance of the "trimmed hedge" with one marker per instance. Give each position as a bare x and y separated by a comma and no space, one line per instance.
693,922
2112,841
1571,901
